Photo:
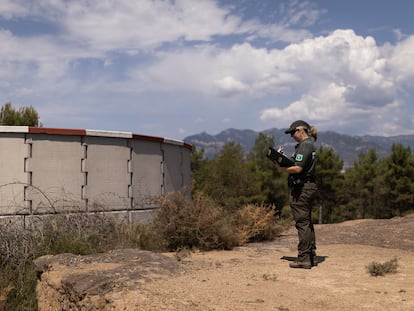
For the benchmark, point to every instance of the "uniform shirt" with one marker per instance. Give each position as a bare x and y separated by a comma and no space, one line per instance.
305,157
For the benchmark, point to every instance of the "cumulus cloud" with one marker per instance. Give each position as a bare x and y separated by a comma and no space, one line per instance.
242,70
341,69
401,62
177,46
343,77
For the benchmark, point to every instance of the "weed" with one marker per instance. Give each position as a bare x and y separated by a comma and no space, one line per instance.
182,253
380,269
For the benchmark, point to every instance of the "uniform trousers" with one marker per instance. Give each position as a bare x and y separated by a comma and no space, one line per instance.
301,202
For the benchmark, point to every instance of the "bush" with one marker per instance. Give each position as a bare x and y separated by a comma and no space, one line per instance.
182,222
258,223
200,223
380,269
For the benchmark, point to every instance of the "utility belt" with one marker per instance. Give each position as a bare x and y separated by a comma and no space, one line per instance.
297,182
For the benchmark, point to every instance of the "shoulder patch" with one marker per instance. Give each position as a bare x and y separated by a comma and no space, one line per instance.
299,157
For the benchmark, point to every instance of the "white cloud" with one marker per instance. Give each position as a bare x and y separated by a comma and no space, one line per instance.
278,33
342,76
24,58
401,61
351,63
125,25
322,106
291,18
333,79
240,70
94,29
229,86
300,12
130,25
13,8
37,65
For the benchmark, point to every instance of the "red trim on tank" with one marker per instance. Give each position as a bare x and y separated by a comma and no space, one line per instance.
56,131
147,138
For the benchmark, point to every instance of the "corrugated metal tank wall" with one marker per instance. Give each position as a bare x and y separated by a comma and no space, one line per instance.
46,171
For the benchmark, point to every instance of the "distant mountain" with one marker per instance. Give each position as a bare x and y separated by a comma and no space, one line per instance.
347,147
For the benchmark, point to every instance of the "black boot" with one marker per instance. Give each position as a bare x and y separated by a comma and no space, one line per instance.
301,264
314,259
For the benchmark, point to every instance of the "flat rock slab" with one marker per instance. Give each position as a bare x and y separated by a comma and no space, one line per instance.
94,282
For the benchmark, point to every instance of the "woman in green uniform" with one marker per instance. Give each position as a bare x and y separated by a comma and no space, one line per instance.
303,189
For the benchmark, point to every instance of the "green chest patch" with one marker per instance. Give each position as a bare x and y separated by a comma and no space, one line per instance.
299,157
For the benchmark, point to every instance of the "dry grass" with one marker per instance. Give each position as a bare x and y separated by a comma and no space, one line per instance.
181,224
258,223
199,223
73,233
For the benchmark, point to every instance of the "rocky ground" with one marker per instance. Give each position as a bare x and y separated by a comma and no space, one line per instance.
252,277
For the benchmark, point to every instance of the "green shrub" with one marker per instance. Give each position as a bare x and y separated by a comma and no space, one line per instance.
380,269
286,213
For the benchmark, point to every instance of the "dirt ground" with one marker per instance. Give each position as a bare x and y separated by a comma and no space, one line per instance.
253,277
258,277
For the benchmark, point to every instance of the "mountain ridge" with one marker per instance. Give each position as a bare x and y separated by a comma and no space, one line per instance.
347,147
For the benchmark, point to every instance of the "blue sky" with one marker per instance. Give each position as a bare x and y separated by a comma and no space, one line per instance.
176,68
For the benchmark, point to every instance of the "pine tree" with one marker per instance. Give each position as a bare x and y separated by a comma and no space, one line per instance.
399,180
329,177
227,178
23,116
361,187
272,184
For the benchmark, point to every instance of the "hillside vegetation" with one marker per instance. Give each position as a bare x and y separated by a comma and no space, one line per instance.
346,146
373,187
